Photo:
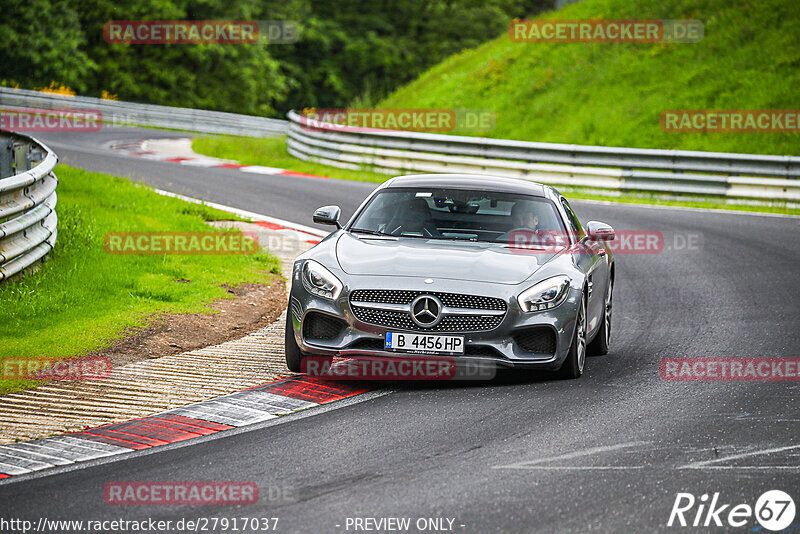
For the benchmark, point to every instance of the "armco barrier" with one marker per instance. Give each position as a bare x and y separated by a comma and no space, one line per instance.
739,177
115,112
27,202
745,177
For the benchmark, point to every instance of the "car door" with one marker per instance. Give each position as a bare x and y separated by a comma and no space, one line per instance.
592,260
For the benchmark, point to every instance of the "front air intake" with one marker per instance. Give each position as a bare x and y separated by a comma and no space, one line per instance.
322,327
537,340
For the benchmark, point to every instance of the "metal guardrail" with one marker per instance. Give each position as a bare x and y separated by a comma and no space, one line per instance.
117,112
745,177
27,202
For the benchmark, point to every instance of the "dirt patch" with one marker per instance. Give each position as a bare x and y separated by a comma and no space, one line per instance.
254,306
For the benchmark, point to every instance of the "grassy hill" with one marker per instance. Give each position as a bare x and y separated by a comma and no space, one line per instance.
613,94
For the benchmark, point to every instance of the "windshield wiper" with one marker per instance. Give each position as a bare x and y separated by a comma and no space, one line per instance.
370,232
456,238
416,236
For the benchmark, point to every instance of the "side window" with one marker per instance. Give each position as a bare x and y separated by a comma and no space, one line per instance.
572,219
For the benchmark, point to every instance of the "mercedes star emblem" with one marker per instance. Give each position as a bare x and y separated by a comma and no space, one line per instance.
426,310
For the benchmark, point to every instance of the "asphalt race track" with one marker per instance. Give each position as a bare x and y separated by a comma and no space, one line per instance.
608,452
271,195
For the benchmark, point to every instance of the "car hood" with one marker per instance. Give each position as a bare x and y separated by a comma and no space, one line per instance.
431,258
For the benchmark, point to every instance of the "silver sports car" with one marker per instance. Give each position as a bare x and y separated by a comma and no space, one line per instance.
482,269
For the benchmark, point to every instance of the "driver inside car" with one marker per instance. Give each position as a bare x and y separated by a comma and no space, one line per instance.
524,224
523,216
413,217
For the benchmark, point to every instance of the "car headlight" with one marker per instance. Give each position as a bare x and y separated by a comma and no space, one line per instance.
545,295
320,281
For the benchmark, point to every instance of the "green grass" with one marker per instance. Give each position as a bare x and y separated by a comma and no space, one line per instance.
613,94
711,203
83,298
271,152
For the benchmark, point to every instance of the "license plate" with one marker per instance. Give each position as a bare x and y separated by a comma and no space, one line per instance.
406,342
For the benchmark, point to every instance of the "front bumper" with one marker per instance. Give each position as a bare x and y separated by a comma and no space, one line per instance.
498,347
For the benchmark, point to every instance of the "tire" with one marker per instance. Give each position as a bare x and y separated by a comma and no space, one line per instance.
602,341
576,357
291,350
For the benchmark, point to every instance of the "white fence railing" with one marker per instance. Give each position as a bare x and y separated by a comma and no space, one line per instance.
116,112
745,177
27,202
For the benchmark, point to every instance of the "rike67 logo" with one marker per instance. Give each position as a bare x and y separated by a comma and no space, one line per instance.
774,511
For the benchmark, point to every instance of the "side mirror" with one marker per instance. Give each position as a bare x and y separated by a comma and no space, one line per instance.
328,215
599,231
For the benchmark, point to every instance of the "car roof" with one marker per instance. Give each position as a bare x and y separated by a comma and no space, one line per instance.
483,182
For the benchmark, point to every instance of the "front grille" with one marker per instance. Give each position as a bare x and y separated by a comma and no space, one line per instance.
482,350
449,323
367,344
321,326
539,340
452,300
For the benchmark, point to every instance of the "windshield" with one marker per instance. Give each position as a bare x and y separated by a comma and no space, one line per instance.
456,214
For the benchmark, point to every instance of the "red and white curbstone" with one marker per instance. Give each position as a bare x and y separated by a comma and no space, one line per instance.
240,409
179,151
